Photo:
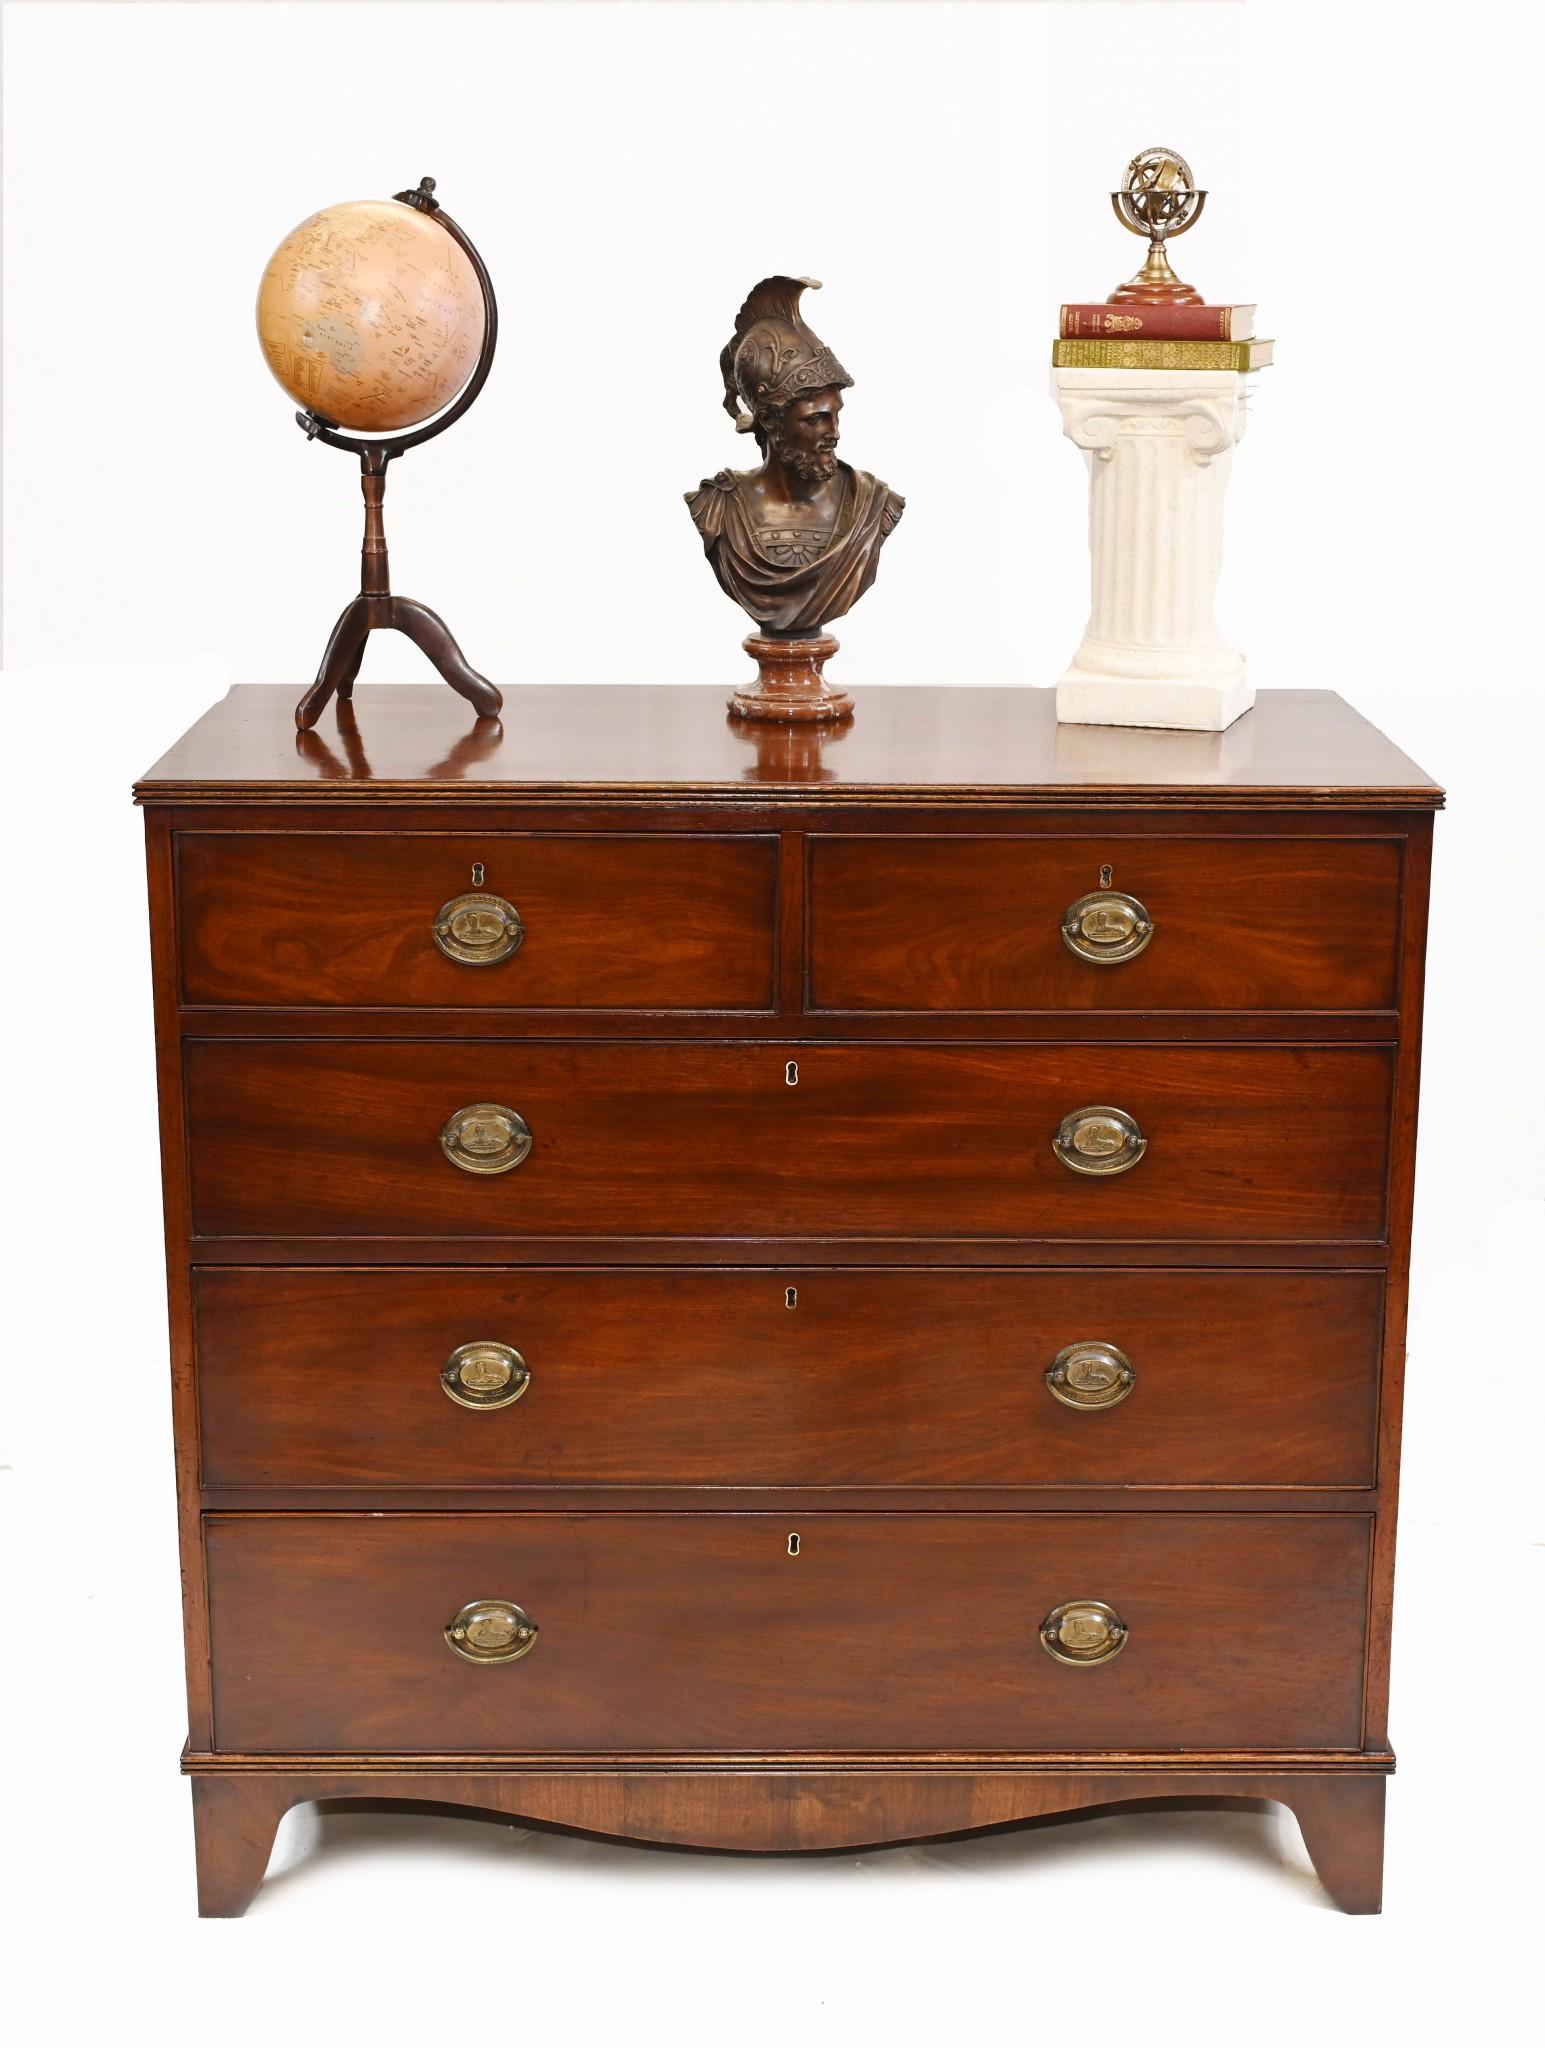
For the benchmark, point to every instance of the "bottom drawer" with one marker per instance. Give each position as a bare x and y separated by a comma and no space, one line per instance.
716,1632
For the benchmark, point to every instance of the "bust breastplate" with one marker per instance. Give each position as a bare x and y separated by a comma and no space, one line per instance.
792,547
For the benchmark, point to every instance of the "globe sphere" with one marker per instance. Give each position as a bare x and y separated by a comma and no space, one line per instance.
370,314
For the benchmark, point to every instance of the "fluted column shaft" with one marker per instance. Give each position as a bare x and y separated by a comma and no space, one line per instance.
1160,445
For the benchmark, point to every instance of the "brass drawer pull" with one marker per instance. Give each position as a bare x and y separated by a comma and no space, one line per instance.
1099,1139
1090,1375
1083,1632
491,1632
478,930
1106,927
485,1375
485,1137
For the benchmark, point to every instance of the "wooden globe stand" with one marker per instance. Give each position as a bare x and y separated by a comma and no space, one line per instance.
377,606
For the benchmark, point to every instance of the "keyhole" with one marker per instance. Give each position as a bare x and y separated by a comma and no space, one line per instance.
477,874
793,1543
791,1297
791,1073
1105,878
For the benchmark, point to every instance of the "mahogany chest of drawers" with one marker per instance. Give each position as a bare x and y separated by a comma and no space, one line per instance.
786,1290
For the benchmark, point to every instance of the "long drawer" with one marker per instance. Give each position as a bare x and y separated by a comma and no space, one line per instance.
334,1378
614,921
340,1137
974,923
721,1633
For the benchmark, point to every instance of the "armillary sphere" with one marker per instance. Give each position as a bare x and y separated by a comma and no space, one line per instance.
1158,195
1158,198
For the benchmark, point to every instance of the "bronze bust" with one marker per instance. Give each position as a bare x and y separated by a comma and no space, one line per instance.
797,542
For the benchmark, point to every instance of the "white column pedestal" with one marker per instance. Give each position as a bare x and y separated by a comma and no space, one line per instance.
1160,445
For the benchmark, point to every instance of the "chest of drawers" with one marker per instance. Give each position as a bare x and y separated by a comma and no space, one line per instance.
786,1290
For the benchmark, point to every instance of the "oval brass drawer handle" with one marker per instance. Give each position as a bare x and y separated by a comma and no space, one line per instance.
1083,1632
478,930
491,1632
1091,1375
485,1374
1106,927
485,1137
1099,1139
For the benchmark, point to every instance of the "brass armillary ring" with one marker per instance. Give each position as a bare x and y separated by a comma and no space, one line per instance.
1158,196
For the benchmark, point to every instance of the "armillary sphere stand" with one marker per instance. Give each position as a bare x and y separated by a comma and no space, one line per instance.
377,606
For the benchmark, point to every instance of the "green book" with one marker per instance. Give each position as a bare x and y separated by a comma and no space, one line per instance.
1107,354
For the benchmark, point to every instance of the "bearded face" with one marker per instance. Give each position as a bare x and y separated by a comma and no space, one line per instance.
803,436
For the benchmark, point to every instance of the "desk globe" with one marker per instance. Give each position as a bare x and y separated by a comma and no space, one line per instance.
378,315
370,315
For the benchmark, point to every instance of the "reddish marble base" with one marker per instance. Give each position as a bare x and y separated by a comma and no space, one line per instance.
789,686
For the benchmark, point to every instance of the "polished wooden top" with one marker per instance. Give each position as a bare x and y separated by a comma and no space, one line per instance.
399,743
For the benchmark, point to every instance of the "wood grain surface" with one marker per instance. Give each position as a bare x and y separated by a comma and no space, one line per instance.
620,921
885,1631
331,1379
1303,748
298,1138
902,923
713,914
810,1806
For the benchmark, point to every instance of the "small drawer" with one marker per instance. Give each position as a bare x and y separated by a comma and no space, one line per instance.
347,1137
976,925
478,920
630,1633
544,1378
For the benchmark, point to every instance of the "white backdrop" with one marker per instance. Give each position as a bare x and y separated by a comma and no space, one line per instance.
162,505
1384,541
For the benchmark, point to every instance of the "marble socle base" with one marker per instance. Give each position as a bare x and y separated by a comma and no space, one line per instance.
1177,703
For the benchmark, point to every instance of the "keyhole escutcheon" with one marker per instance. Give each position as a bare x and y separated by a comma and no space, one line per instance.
793,1543
791,1073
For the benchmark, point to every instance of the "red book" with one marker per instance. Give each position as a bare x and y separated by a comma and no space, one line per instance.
1158,323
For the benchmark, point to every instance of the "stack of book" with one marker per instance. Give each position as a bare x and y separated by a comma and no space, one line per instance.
1159,338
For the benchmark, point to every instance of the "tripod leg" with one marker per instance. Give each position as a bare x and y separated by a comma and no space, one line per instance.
346,680
340,663
426,629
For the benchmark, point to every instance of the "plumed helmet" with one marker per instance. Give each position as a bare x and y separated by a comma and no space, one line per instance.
772,357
